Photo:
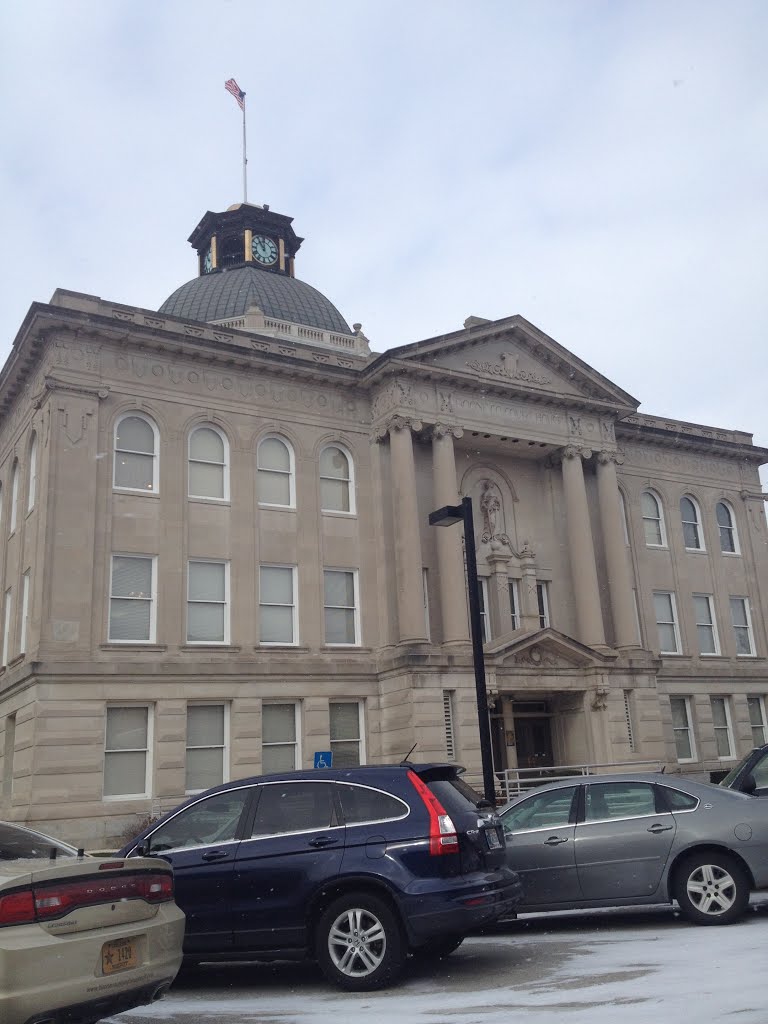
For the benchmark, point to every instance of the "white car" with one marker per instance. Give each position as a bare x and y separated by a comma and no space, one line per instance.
81,937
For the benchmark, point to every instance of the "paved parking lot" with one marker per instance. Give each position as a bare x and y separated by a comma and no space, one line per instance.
639,966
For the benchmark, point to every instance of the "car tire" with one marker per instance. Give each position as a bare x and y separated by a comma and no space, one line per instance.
435,949
359,943
711,888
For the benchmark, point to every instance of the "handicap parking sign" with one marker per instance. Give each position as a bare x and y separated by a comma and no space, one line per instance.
323,759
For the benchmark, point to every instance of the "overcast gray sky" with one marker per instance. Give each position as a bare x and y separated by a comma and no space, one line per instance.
599,166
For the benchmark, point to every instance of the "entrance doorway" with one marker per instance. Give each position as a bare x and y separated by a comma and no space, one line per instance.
533,734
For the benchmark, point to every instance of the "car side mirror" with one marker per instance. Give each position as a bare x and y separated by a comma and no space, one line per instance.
748,784
142,850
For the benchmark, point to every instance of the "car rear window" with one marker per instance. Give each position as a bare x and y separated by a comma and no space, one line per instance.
454,794
679,801
359,804
17,844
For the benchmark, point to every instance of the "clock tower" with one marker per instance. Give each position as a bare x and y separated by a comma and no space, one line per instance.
246,234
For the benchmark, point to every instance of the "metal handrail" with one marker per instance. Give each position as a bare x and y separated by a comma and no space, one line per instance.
513,781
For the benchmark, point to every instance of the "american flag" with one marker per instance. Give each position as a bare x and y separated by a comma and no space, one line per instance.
231,86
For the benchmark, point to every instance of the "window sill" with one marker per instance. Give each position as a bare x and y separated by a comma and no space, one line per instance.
696,551
137,493
338,513
731,554
281,647
277,508
131,645
233,648
200,499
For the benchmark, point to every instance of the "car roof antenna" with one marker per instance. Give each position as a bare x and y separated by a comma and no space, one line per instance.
405,759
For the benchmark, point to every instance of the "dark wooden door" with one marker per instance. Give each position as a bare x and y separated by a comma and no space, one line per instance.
534,742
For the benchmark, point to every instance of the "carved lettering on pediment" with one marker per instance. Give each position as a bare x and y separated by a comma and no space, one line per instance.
683,463
258,390
509,368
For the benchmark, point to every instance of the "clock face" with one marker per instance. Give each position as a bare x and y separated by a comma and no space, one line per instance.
264,250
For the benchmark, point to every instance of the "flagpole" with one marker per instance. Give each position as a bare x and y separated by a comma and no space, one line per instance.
245,160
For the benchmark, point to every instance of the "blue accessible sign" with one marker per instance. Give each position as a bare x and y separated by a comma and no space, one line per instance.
323,759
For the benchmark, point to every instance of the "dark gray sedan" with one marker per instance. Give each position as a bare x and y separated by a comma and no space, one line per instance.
620,840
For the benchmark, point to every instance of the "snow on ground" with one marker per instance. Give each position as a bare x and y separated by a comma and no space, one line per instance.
637,967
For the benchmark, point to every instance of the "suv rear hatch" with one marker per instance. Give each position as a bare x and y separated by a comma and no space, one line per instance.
478,831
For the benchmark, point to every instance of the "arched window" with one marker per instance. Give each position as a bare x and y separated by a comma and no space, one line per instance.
653,520
136,453
208,464
691,520
337,491
32,485
276,474
726,523
14,495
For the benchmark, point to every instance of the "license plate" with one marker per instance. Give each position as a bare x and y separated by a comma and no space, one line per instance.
119,956
494,843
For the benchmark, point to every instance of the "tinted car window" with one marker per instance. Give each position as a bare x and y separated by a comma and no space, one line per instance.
679,801
213,820
18,844
619,800
293,807
359,804
454,794
543,810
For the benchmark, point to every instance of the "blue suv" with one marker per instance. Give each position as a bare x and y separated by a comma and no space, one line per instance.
356,868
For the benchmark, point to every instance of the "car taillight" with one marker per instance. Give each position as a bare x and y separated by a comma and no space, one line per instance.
443,837
43,903
17,908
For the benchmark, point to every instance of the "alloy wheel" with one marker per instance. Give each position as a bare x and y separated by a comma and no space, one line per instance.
711,889
357,942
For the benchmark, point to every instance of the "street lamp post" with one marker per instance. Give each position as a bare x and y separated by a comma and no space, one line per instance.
449,515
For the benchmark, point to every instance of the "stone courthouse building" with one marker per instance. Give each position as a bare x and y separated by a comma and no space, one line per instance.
216,557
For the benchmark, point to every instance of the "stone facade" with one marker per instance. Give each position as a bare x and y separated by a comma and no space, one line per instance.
557,462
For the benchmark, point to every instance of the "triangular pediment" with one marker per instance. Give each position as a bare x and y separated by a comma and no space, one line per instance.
545,649
513,353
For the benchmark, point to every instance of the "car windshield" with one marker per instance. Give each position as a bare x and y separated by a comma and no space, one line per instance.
733,773
21,844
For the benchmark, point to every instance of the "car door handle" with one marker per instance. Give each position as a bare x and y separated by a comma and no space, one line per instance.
554,841
320,841
215,855
656,829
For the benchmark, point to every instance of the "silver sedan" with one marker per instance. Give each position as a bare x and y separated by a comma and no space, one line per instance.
629,839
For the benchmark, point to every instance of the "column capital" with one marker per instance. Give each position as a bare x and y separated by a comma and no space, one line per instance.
572,451
396,423
445,429
605,456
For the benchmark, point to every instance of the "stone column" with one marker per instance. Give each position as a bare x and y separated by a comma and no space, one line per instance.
408,564
528,612
450,553
619,579
586,591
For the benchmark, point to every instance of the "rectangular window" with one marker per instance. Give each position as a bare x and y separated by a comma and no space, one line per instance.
342,627
742,626
450,742
706,627
346,733
756,707
514,603
721,721
682,728
542,598
279,732
278,616
126,751
208,602
132,599
666,622
207,742
7,625
24,612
